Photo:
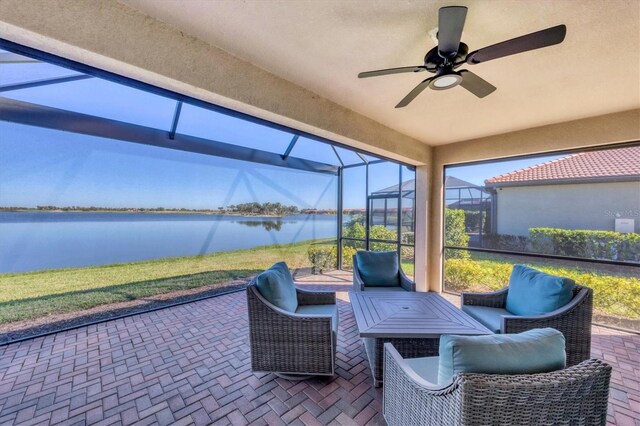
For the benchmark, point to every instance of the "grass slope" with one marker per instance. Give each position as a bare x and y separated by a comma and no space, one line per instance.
38,294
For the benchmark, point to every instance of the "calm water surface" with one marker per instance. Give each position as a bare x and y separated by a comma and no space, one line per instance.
32,241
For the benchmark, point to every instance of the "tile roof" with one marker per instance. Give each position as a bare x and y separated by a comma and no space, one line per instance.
607,163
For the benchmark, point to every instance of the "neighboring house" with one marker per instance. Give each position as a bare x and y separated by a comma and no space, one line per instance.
588,190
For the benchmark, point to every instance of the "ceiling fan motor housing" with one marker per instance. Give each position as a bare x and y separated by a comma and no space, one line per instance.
433,61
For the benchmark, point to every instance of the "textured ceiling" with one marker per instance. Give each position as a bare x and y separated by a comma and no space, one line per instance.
322,45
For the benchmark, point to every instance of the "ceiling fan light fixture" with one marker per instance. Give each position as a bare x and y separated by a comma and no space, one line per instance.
446,81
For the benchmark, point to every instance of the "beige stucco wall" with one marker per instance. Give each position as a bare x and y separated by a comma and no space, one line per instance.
589,132
576,206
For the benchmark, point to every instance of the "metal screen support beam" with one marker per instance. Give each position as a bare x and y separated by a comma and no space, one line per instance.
367,210
340,219
176,118
335,151
58,119
370,162
13,58
44,82
362,157
290,147
399,227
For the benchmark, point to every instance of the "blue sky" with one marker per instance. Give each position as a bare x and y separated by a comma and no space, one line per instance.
47,167
477,173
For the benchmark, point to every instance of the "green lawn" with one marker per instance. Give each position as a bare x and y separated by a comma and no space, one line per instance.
38,294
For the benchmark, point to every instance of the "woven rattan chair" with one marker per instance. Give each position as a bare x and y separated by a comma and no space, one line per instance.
359,285
573,319
294,346
574,396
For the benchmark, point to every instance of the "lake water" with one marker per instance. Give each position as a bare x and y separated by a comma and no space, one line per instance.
32,241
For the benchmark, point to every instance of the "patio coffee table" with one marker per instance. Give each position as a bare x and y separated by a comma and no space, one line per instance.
412,321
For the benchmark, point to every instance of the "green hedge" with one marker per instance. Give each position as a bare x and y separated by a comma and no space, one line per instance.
455,233
506,242
587,244
613,295
472,220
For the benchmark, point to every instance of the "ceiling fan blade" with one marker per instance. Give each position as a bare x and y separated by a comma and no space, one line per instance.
450,25
415,92
475,84
417,68
537,40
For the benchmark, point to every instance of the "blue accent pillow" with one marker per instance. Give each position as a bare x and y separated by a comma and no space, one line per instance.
276,285
378,268
535,351
532,292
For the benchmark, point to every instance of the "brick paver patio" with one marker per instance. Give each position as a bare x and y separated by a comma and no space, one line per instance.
190,365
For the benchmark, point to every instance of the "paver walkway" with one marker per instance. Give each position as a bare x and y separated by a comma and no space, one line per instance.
190,365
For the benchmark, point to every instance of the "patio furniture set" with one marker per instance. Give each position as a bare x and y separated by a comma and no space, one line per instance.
516,356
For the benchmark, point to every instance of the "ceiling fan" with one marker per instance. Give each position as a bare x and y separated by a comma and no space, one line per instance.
450,54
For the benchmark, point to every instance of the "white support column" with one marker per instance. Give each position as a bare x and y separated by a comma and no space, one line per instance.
423,183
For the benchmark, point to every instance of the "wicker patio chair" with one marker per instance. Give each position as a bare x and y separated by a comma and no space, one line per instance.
573,396
404,283
292,345
573,319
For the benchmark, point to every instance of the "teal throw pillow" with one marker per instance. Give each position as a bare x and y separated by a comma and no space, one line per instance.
539,350
533,292
276,285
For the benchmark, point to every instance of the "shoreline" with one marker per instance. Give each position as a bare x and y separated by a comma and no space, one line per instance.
205,213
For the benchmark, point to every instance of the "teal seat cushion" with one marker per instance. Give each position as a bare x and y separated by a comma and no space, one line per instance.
321,310
532,292
378,268
395,288
427,368
276,285
535,351
489,317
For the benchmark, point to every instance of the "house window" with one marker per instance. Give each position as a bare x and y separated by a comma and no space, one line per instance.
572,214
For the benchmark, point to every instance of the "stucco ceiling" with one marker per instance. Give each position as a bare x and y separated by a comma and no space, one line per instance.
322,45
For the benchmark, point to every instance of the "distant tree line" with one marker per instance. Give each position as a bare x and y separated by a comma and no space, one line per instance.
255,209
266,209
272,209
115,209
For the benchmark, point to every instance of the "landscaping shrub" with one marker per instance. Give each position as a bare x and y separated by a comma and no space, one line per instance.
322,258
472,220
347,256
471,275
408,238
455,234
584,243
379,232
325,258
355,229
506,242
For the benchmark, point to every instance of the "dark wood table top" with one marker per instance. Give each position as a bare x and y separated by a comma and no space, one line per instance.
410,315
